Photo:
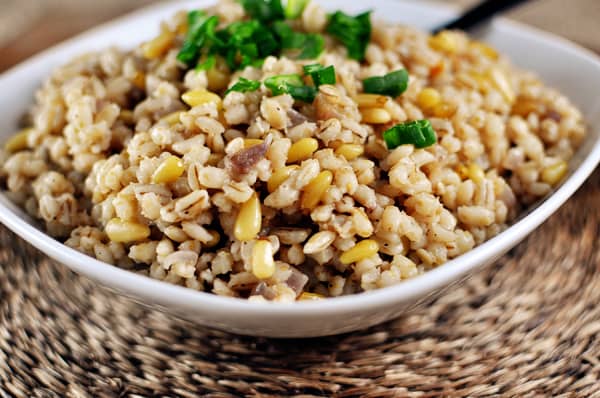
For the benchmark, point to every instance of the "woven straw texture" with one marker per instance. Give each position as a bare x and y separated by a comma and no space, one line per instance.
527,326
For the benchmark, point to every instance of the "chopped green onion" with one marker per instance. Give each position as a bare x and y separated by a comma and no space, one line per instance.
289,38
244,43
292,85
294,8
266,42
302,93
207,64
311,44
320,74
264,10
392,84
201,29
244,85
418,133
249,42
241,30
353,32
278,84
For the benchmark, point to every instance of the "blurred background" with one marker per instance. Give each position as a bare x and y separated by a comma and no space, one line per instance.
28,26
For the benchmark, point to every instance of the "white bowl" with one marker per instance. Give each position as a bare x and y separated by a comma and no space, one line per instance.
573,70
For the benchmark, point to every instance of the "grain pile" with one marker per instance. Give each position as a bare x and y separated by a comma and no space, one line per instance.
135,159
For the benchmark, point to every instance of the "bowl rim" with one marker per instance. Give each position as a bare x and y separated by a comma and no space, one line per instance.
137,285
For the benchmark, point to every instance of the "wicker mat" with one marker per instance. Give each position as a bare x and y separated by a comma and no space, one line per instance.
527,326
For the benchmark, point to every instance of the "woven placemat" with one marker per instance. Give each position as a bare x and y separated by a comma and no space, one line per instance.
527,326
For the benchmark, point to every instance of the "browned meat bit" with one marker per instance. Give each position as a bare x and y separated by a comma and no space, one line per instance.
296,281
243,160
296,118
262,289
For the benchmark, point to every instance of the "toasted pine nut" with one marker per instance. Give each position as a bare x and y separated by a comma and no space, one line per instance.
302,150
172,118
158,46
305,296
201,97
314,191
17,142
444,41
363,249
375,115
123,231
428,98
350,151
553,174
263,264
279,176
168,171
365,100
249,219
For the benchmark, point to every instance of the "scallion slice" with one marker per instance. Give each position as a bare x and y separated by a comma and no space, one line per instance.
303,93
264,10
208,63
291,84
353,32
294,8
289,38
201,29
244,85
320,74
310,44
419,133
392,84
312,47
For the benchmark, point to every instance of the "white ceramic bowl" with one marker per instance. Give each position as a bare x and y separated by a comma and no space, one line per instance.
573,70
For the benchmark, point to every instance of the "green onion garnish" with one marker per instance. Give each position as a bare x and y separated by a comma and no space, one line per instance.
249,42
289,38
303,93
313,46
244,43
292,85
294,8
320,74
277,84
244,85
266,42
264,10
207,64
353,32
310,44
201,30
418,133
392,84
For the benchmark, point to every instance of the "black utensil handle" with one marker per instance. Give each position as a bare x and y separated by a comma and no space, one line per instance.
478,14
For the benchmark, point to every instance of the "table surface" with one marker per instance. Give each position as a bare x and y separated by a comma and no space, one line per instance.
526,326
